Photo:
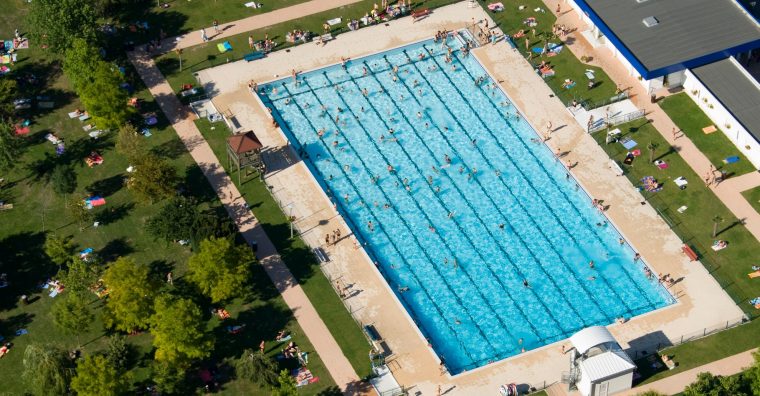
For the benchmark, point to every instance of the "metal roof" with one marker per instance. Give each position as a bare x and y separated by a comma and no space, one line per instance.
689,33
591,337
606,365
735,89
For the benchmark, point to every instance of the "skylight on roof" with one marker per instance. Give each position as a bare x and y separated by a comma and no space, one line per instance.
650,21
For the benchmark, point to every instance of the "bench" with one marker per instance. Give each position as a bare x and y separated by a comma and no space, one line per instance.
417,15
321,255
372,333
254,56
689,252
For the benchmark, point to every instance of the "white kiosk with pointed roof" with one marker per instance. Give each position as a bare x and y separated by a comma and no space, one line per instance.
600,366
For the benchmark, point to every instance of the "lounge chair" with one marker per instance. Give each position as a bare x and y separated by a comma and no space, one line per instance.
417,15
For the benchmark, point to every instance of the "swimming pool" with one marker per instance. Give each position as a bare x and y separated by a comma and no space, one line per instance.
482,233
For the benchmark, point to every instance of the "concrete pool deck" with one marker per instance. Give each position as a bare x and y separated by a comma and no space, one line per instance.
701,302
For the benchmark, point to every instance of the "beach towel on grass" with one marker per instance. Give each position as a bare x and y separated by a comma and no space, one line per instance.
224,47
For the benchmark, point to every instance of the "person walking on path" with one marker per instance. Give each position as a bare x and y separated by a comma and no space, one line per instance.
204,37
216,26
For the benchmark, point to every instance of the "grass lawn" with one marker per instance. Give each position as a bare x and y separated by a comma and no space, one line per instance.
297,256
206,55
699,352
716,146
695,225
565,64
753,197
183,16
38,212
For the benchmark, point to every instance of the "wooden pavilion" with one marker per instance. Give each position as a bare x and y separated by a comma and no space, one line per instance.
244,149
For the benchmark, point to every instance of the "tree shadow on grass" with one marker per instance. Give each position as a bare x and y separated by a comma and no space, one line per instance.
114,249
9,326
114,213
196,185
297,256
24,260
74,153
171,149
108,186
230,345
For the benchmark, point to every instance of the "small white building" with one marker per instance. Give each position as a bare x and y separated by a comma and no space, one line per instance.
600,367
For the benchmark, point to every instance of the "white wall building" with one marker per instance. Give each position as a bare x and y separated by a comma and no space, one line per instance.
600,365
688,43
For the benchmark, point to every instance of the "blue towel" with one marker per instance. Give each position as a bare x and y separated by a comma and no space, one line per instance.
22,332
629,144
731,159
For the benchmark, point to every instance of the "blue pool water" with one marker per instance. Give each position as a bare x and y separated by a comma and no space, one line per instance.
457,240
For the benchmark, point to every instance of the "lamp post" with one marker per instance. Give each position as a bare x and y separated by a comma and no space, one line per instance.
290,219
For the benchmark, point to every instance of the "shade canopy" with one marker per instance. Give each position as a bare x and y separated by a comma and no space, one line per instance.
591,337
244,143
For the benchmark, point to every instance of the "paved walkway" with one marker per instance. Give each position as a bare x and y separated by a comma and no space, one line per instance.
313,326
729,191
254,22
677,382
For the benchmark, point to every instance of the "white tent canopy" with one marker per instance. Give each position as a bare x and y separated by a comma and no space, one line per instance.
591,337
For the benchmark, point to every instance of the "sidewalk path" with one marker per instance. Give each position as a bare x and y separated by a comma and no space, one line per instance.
729,192
182,121
677,382
254,22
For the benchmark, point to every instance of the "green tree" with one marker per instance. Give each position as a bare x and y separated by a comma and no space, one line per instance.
95,376
104,99
11,145
130,143
8,90
118,351
257,368
753,375
97,84
47,370
72,315
64,179
57,23
220,269
179,331
80,276
131,293
153,179
60,250
176,220
169,377
287,385
712,385
79,62
79,212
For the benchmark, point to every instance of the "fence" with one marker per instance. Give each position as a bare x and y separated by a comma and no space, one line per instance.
331,278
709,259
617,120
589,105
644,348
